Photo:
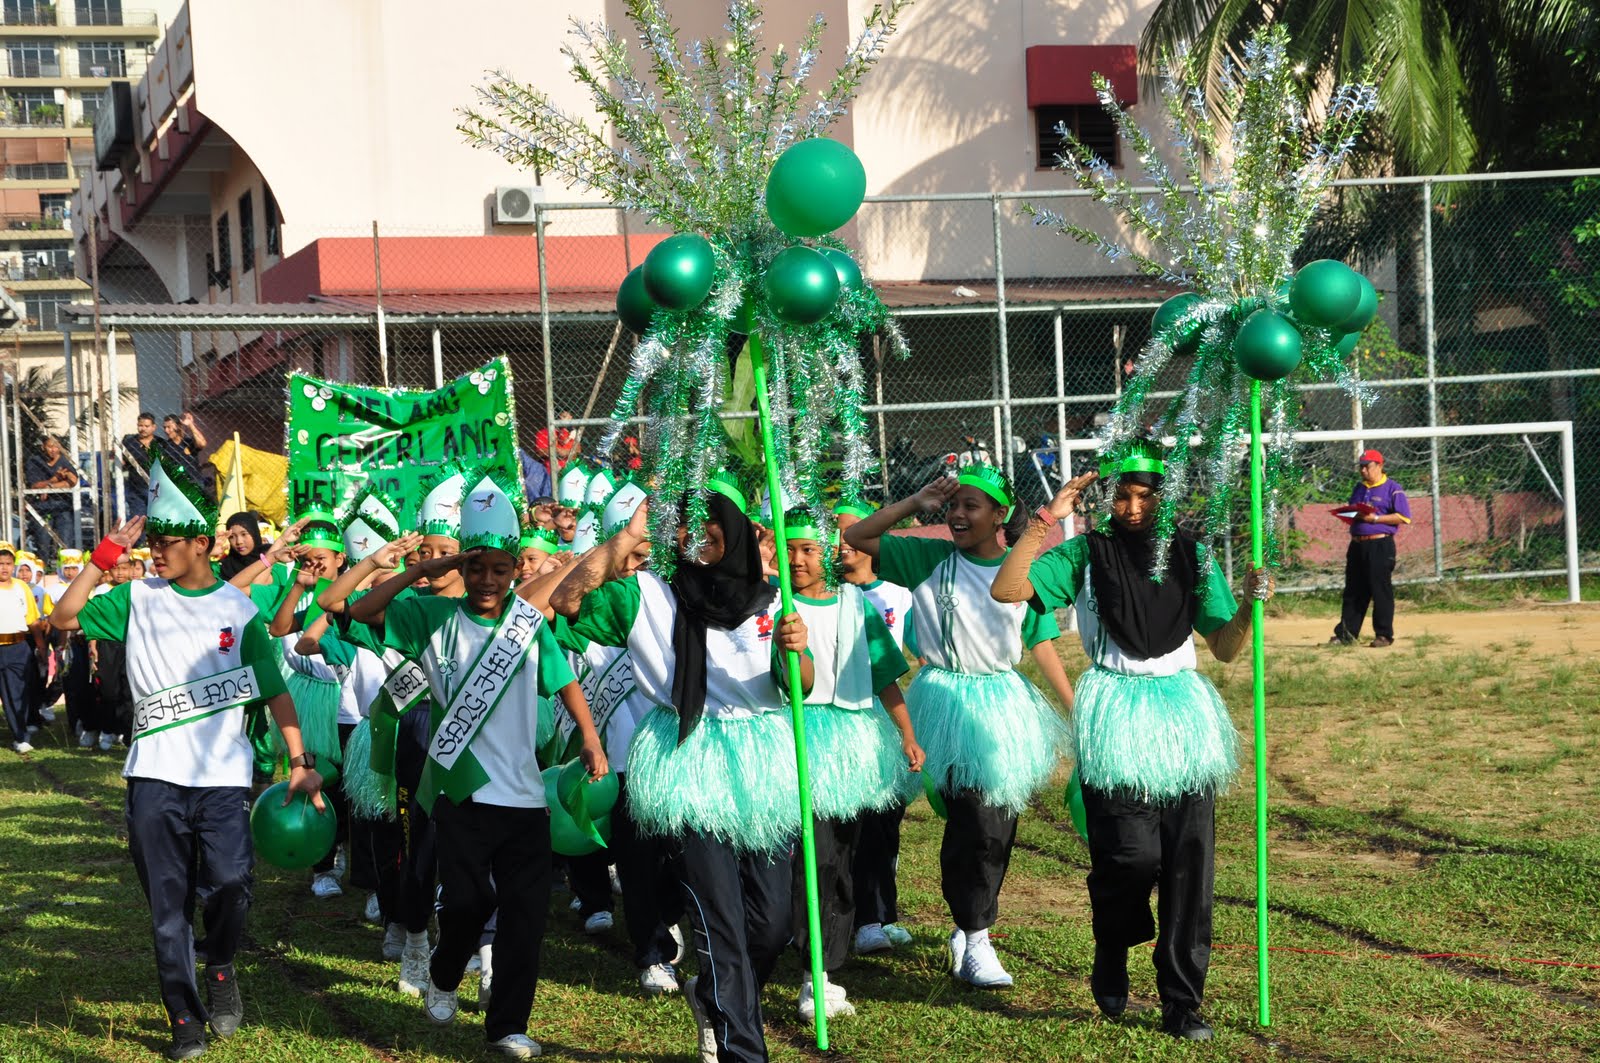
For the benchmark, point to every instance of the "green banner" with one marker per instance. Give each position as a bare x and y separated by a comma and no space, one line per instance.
341,436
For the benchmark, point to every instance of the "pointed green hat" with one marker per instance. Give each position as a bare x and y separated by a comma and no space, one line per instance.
175,505
620,507
370,524
490,516
440,511
573,484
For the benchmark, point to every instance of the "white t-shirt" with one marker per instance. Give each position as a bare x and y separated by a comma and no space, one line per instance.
893,603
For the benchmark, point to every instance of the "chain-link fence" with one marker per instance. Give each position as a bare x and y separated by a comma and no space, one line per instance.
1020,339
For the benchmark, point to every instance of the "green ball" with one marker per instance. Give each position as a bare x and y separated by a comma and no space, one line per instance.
845,266
1325,293
291,836
935,800
801,286
679,271
1074,802
1167,315
1365,310
574,788
1346,344
1267,345
815,187
634,305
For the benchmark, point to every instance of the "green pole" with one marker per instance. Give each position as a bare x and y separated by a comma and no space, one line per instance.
808,841
1258,668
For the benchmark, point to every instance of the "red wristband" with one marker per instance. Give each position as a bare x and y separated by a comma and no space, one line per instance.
1044,514
107,554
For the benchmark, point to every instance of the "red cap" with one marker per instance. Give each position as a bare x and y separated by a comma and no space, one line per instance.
1372,455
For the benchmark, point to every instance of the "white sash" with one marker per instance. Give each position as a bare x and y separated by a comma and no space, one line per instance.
605,690
188,702
486,682
407,684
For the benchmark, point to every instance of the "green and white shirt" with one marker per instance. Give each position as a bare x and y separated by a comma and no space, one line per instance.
848,676
960,627
195,659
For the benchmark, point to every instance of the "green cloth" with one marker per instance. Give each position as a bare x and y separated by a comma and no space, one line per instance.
105,616
608,612
569,639
1057,579
909,560
269,596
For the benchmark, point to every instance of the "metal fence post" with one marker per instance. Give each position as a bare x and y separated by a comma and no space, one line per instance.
438,359
114,450
1569,489
1062,472
1003,445
72,442
549,364
1433,377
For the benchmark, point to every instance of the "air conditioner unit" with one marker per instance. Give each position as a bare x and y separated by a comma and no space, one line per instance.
513,204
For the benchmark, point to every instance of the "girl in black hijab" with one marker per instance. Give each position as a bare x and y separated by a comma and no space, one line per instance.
244,544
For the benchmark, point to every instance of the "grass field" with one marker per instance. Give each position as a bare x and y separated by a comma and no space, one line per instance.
1434,832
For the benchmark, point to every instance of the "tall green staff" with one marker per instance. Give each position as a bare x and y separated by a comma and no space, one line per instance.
1227,229
723,142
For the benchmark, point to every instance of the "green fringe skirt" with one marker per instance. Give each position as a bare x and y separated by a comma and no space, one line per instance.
856,762
1154,738
731,779
371,796
995,734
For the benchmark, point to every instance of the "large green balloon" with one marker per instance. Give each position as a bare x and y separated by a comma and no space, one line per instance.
845,266
679,271
1074,803
1325,293
801,286
815,187
1346,344
1167,315
1365,310
575,790
634,305
935,799
291,836
1267,346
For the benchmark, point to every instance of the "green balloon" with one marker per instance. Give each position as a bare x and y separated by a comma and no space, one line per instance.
679,271
1325,293
815,187
291,836
634,305
801,286
845,266
1074,802
1167,315
1365,310
935,800
1346,344
583,798
1267,346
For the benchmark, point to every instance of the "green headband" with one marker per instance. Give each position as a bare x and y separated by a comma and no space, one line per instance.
322,529
991,481
854,509
799,524
542,539
722,483
1143,459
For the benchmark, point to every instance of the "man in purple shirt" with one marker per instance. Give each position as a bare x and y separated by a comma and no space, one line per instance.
1369,562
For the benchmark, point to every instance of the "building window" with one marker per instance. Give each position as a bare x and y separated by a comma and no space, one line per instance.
43,264
274,228
247,233
37,171
99,12
37,107
44,309
29,13
102,59
89,107
222,276
1091,125
53,205
30,59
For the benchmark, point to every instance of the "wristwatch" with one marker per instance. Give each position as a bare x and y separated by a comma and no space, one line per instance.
306,760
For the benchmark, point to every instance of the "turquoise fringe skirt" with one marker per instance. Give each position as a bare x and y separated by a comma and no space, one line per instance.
995,734
856,762
371,796
1154,738
731,779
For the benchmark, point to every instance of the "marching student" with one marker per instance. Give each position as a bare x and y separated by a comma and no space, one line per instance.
858,758
21,646
488,656
991,739
712,767
198,653
113,698
1155,744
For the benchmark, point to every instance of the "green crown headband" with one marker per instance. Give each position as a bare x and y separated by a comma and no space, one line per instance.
723,483
176,506
991,481
321,530
573,484
490,516
620,507
544,540
1145,457
369,525
854,508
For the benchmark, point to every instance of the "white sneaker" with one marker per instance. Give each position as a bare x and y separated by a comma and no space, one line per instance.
485,958
517,1046
373,912
326,885
898,935
474,963
47,715
833,1001
394,941
708,1036
981,967
439,1005
958,950
657,979
414,969
871,938
22,747
107,740
676,932
616,880
87,739
599,923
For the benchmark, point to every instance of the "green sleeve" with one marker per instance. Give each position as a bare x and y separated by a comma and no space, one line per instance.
268,596
912,647
359,634
608,612
336,651
105,616
1057,575
1039,627
407,625
554,673
1217,604
567,638
261,650
888,663
910,559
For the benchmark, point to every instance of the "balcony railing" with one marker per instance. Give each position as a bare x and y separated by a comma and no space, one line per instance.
32,68
13,223
36,272
39,15
113,18
15,114
103,68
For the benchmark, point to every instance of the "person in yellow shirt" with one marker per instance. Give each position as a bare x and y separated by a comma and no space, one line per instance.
21,636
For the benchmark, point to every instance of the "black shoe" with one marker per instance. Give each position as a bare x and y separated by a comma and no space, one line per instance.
222,1000
1184,1024
1109,980
188,1038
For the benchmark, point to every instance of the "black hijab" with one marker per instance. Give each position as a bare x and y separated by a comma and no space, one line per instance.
234,562
723,595
1147,619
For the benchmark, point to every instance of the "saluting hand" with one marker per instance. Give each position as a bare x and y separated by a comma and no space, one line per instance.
937,494
1066,499
126,534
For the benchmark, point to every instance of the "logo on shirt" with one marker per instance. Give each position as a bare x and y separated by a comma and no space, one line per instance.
888,618
225,639
764,627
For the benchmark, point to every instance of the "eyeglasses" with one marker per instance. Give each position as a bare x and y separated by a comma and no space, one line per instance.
165,544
